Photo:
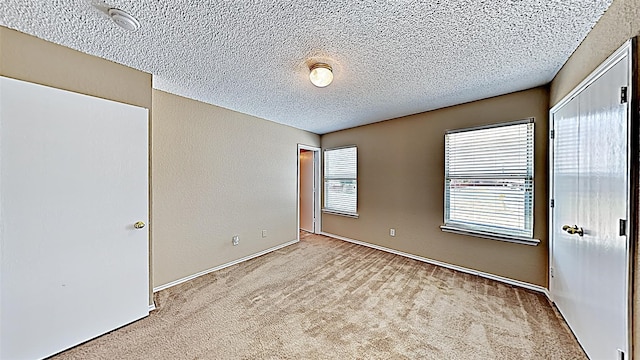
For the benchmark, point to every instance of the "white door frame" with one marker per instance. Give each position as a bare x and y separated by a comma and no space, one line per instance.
317,178
626,50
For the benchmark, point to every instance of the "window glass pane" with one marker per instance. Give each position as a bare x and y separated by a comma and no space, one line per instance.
340,180
340,163
340,195
489,179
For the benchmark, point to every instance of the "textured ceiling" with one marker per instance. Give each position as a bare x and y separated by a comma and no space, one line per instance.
390,58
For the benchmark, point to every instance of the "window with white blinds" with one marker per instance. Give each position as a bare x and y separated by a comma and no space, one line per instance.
341,180
489,179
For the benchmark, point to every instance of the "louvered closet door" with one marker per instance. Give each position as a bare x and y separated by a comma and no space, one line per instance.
73,182
590,191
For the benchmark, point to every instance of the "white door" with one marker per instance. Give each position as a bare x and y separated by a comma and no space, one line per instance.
590,189
307,188
73,181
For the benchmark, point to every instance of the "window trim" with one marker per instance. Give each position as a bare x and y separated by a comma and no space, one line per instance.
340,213
455,228
491,126
489,235
330,211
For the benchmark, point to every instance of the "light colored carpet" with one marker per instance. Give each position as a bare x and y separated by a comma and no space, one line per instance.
327,299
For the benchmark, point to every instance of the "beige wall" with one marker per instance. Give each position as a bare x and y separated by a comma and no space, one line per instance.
28,58
620,23
401,184
218,173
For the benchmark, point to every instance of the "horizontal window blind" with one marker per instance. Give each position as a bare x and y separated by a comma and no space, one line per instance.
340,180
489,179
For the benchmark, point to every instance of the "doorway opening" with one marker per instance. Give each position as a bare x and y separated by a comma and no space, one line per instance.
308,189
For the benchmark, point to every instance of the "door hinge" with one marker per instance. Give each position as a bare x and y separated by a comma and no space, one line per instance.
623,95
551,272
552,133
552,203
623,227
621,355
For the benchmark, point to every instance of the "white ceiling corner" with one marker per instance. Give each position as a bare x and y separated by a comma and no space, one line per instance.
390,58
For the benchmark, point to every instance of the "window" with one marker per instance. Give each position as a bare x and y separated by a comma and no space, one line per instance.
489,180
341,180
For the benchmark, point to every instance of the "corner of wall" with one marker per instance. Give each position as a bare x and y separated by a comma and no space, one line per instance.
618,24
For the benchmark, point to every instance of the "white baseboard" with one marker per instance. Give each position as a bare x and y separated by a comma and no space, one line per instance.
502,279
220,267
152,306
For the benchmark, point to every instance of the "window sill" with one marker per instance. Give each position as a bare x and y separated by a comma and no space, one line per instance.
486,235
340,213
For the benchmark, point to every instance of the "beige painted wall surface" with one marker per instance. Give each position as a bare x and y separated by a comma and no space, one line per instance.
618,24
401,184
218,173
28,58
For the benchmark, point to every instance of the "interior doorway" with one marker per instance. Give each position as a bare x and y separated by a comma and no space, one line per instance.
308,189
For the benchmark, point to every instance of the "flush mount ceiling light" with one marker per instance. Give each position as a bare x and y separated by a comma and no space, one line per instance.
321,74
124,20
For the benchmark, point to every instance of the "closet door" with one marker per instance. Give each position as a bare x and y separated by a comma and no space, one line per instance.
590,268
73,182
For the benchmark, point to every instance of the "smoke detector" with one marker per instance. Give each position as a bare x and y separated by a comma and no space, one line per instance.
124,19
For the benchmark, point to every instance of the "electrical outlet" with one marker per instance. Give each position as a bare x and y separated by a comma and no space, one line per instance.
236,240
264,233
392,232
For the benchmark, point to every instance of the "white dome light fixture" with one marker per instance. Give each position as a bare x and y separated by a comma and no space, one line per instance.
124,19
321,74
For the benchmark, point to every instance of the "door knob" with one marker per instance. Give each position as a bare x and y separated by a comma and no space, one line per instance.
139,225
573,230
